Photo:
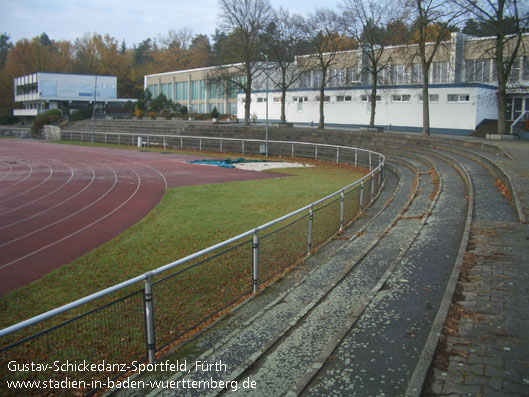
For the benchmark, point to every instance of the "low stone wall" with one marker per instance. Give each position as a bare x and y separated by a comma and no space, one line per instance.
52,132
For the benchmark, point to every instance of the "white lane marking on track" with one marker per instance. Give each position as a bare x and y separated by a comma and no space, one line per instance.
9,173
28,190
56,205
22,180
66,217
83,228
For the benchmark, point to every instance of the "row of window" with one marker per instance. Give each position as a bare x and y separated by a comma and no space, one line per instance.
433,98
198,90
475,70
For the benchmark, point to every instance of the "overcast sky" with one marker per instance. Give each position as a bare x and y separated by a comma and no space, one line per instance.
129,20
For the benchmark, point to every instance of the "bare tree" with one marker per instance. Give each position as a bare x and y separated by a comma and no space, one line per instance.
432,19
284,39
366,22
246,21
323,33
508,19
180,39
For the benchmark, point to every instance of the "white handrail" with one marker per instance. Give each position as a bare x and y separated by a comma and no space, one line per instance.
518,124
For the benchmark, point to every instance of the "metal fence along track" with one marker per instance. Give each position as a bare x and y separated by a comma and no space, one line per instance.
129,322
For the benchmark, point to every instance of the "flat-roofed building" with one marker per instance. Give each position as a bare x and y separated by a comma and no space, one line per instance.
200,90
38,92
462,89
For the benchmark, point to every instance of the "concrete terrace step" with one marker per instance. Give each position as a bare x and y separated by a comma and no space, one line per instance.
334,328
237,346
278,365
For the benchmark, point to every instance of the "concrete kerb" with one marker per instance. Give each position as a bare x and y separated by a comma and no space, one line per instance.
420,373
499,172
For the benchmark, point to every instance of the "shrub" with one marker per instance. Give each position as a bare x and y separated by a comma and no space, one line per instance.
81,114
139,113
215,113
7,119
43,119
152,115
166,114
183,110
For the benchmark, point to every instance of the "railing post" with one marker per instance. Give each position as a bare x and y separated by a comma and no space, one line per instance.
200,143
255,257
292,150
369,161
372,186
342,200
181,143
119,136
356,157
361,194
242,146
337,155
149,319
311,219
71,136
316,152
221,145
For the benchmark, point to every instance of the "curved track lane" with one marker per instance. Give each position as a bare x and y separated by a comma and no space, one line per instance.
58,202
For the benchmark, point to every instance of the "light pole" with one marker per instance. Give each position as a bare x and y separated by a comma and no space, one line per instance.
94,108
266,129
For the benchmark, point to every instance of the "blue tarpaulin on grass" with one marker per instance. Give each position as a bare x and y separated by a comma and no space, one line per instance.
226,163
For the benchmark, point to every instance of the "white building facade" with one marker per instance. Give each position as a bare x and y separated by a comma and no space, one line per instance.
462,90
38,92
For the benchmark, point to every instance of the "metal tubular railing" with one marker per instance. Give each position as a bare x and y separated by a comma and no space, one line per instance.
233,269
519,124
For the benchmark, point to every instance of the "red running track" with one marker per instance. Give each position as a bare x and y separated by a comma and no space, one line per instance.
57,202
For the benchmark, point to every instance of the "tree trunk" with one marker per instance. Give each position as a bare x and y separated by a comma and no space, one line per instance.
501,94
247,107
321,124
373,99
502,109
283,101
425,102
283,94
248,92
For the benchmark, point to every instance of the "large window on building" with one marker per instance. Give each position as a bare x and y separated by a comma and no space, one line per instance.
525,68
516,69
477,70
305,79
416,73
439,72
167,90
202,89
212,90
317,76
194,89
399,74
337,77
181,91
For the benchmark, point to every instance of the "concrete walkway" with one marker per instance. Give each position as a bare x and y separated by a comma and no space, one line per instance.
484,348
